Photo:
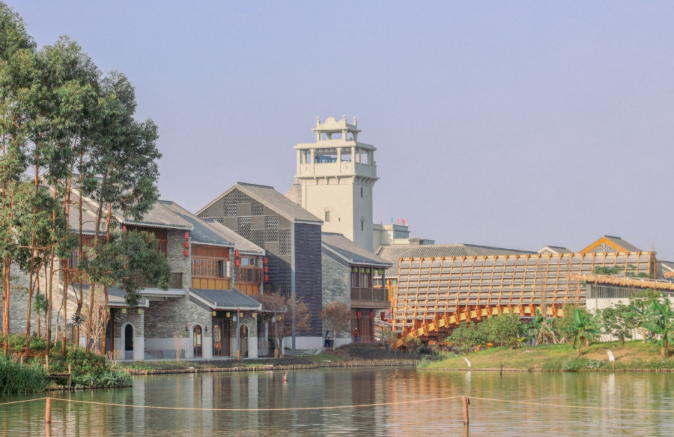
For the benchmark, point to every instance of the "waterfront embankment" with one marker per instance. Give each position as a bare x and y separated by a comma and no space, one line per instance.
632,356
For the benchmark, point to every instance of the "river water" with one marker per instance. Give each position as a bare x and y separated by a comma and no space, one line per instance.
332,387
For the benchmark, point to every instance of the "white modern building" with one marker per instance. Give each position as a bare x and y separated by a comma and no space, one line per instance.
335,180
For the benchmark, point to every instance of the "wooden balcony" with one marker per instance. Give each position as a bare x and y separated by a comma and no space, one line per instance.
249,275
369,298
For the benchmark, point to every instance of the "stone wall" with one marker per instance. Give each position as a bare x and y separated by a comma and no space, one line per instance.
163,318
177,260
132,317
336,285
336,281
18,303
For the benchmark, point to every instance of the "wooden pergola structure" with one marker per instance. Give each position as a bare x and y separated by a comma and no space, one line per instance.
434,295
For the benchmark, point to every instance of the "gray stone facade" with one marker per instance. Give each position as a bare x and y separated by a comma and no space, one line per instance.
131,316
336,281
18,303
177,260
336,285
163,318
308,275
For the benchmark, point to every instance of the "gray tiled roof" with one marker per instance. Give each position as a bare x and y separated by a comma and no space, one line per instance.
160,216
555,249
226,299
116,296
240,243
394,252
622,243
273,200
201,232
351,251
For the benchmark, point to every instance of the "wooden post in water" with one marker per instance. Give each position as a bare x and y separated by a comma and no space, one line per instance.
70,375
47,411
466,418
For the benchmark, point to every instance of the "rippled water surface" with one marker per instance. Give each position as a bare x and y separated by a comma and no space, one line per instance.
323,388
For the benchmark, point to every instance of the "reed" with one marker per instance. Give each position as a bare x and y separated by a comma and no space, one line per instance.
21,378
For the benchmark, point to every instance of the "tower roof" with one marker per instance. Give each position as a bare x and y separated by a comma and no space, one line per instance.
332,125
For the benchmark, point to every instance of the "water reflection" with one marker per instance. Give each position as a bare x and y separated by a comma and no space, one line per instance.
318,388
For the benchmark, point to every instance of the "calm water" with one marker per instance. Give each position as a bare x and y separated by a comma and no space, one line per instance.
316,388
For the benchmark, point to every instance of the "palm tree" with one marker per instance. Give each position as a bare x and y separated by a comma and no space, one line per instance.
583,329
661,323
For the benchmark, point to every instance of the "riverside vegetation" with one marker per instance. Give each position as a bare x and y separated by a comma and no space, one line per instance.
568,343
68,131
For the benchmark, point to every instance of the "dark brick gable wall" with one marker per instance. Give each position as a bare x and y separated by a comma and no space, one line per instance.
308,275
259,224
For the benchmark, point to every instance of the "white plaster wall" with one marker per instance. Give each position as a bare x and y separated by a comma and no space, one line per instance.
252,347
305,343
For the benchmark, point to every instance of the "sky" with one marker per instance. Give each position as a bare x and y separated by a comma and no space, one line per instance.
513,124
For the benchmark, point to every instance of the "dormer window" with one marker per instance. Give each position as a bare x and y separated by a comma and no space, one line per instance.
327,216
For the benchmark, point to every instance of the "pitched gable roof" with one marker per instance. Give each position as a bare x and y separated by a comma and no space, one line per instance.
201,231
273,200
608,244
350,251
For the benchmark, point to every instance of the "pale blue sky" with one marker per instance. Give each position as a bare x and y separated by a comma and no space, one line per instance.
514,124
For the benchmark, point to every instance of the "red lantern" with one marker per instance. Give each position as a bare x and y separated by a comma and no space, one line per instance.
123,228
388,320
371,314
236,253
358,314
187,244
186,252
264,261
187,235
237,262
382,316
266,269
266,278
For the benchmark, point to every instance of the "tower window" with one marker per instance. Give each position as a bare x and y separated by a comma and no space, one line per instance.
327,216
362,225
361,192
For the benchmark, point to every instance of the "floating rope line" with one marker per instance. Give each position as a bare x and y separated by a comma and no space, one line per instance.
581,407
342,407
338,407
23,402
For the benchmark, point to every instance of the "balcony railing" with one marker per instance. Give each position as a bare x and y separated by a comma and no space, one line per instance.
251,275
370,294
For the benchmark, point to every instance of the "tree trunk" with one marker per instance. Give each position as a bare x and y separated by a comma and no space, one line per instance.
97,228
7,282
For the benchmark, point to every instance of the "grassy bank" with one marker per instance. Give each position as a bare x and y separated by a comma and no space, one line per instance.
30,376
632,355
347,356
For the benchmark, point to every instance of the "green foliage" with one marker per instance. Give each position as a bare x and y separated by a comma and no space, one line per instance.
505,330
618,322
466,337
608,270
583,329
41,304
21,378
123,258
661,323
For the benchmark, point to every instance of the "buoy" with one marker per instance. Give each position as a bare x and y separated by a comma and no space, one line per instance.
285,376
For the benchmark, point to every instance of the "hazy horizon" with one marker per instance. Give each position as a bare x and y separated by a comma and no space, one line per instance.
517,124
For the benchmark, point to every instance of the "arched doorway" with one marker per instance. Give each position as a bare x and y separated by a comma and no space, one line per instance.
197,341
128,342
243,341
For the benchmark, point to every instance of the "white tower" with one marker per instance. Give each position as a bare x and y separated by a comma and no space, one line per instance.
337,174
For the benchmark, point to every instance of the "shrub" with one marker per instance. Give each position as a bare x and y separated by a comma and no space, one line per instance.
21,378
